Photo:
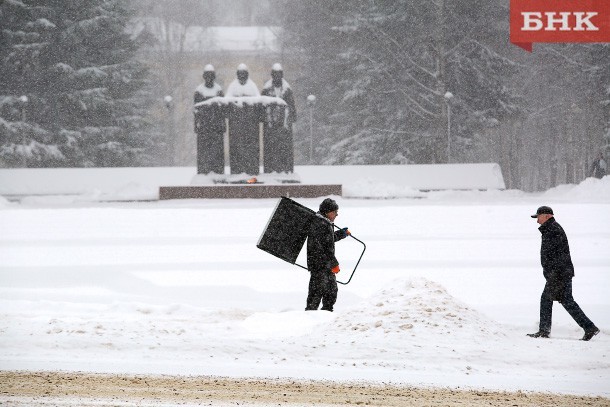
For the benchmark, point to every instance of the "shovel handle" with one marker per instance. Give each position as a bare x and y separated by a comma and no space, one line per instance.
357,263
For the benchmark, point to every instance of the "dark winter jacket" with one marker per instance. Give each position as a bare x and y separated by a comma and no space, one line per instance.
555,252
321,245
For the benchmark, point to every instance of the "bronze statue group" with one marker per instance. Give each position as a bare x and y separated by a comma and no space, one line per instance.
243,108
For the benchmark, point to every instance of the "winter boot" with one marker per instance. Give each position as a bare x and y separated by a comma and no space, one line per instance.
540,334
590,334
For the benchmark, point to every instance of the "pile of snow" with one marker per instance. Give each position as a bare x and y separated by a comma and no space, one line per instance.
416,307
591,189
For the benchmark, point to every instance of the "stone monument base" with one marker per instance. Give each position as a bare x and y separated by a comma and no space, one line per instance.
249,191
273,178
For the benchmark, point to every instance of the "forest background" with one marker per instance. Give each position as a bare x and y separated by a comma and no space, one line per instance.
94,83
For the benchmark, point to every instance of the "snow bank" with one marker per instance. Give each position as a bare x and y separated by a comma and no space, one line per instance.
415,307
93,184
467,182
142,183
402,178
591,189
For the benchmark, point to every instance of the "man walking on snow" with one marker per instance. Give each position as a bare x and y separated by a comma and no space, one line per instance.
321,260
558,271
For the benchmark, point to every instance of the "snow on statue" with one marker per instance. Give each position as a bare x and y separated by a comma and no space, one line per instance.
242,85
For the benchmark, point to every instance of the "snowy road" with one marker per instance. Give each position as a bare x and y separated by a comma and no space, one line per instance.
101,390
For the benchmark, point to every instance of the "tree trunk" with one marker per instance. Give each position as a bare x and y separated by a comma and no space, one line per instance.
441,153
569,150
553,157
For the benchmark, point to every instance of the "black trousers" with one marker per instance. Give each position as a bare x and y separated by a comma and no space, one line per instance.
322,287
546,306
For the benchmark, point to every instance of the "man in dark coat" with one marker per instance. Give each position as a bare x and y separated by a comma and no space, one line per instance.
321,260
558,271
209,125
278,150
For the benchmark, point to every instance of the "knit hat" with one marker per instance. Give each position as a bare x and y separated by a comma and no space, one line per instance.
328,205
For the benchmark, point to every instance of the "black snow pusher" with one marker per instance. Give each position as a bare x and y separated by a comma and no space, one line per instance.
286,232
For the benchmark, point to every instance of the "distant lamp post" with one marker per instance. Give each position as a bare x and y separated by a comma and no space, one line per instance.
311,101
168,102
23,101
169,105
448,97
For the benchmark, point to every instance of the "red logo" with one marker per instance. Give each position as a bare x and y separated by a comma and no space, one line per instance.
559,21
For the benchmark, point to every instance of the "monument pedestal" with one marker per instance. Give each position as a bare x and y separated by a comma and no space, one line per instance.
249,191
243,178
236,186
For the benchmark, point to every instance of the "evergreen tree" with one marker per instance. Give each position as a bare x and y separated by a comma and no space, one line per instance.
566,111
309,32
86,94
390,68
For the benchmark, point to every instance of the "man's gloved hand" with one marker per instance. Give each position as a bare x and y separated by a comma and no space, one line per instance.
335,269
343,233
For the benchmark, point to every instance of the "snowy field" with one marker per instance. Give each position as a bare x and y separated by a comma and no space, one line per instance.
447,289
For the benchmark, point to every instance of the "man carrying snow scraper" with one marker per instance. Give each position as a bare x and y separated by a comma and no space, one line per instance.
558,271
321,260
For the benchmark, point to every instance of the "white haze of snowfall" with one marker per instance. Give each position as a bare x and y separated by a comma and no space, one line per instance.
447,289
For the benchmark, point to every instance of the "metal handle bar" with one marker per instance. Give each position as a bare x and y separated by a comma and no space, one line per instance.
357,263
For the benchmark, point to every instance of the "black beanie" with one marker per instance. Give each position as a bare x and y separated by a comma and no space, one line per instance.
328,205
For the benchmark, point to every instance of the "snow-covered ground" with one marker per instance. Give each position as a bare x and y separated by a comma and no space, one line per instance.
447,289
